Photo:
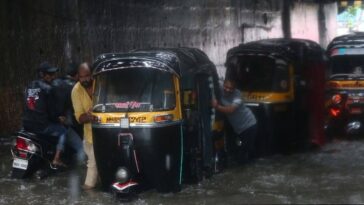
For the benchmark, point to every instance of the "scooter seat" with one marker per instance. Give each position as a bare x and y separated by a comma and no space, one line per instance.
38,136
27,133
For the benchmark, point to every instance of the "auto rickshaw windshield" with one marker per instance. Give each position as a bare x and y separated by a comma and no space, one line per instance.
134,90
260,73
347,64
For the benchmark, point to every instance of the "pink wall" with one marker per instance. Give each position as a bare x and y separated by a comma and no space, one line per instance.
304,21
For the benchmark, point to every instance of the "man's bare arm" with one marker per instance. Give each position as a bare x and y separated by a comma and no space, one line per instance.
224,109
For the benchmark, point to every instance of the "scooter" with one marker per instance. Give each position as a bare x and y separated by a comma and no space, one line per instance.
32,154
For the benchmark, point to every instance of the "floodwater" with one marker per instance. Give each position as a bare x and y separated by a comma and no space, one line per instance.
333,175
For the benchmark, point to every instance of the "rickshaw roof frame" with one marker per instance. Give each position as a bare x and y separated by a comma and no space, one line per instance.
179,61
280,48
168,69
346,76
346,41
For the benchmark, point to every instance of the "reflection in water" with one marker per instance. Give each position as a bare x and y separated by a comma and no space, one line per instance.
333,175
74,185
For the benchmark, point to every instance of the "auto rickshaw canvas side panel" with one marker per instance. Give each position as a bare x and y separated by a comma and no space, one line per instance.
200,128
289,97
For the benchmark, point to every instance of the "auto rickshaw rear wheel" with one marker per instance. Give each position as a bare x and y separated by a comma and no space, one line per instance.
195,164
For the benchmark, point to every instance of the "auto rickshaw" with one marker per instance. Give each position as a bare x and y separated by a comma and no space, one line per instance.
282,81
345,86
156,127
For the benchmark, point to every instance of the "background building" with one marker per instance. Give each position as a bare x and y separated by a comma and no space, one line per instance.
62,31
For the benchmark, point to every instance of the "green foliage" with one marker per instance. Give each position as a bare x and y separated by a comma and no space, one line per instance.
351,13
352,10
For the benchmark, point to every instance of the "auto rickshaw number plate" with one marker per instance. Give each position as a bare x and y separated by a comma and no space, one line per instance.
124,122
20,163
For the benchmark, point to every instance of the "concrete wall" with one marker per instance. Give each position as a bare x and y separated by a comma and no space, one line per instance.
61,31
304,21
330,11
213,26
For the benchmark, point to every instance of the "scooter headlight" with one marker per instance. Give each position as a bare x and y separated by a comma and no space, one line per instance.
122,175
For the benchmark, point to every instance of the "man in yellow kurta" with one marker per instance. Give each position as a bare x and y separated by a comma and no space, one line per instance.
82,104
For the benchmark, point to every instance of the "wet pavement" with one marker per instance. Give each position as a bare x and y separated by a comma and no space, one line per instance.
333,175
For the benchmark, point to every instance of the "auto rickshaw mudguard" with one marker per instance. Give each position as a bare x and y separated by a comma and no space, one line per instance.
158,155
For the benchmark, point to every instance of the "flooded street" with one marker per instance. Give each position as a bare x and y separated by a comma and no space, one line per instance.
333,175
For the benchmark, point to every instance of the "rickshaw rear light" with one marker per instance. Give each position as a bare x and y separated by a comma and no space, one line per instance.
334,112
336,99
163,118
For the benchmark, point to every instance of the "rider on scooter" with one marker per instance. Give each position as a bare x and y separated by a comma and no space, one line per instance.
38,105
63,109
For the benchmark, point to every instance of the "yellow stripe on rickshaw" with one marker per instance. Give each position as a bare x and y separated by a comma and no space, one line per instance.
135,117
345,84
267,97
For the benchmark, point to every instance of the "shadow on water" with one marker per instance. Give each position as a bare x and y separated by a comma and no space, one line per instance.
332,175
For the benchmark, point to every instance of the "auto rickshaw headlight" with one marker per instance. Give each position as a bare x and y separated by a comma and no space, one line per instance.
163,118
336,99
122,174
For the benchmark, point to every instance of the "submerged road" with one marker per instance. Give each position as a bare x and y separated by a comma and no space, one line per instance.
334,174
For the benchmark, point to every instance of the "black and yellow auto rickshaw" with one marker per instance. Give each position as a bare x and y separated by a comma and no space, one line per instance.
345,86
155,121
282,81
